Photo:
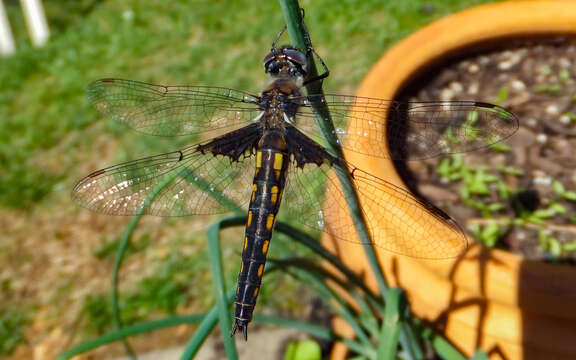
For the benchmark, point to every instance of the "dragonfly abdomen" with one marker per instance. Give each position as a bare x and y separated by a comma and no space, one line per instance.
272,161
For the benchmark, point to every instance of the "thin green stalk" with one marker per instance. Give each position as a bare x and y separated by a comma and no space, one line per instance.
212,317
315,246
204,329
294,23
326,276
409,339
367,315
292,15
314,330
121,252
343,310
205,186
215,253
125,241
480,355
391,324
444,349
130,331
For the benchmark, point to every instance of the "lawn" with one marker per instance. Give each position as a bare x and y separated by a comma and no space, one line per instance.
56,257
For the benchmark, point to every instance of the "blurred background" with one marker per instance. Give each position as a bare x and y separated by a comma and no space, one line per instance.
56,258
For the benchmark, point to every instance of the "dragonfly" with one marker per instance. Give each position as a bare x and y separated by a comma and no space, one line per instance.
257,150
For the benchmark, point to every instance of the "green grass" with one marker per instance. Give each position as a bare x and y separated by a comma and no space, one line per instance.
164,292
12,321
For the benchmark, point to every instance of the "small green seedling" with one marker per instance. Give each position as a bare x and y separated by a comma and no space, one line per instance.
503,94
489,234
562,192
565,76
552,89
549,243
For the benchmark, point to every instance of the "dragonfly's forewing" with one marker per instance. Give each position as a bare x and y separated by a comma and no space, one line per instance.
398,222
178,183
194,182
173,110
412,130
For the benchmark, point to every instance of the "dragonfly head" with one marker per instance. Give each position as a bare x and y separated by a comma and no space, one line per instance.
286,61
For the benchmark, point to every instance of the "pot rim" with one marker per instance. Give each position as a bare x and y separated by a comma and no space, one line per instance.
522,291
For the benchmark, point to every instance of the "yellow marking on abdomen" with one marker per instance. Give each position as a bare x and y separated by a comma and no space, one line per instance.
265,246
274,197
245,243
260,270
249,218
278,160
269,222
254,188
259,159
255,292
242,267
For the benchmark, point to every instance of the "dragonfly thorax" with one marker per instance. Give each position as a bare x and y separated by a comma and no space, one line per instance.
282,98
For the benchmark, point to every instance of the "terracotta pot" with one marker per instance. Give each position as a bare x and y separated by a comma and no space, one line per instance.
490,299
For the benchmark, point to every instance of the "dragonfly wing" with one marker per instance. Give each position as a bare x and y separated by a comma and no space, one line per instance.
397,221
173,110
201,179
410,130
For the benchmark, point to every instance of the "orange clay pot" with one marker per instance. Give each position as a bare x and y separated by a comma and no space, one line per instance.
490,299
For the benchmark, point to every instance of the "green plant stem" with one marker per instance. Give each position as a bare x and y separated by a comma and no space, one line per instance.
121,252
294,24
204,329
215,253
333,300
315,246
409,339
314,330
445,349
125,241
294,21
130,331
391,324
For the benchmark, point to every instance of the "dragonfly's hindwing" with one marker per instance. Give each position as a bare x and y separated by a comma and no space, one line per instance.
235,144
305,150
272,160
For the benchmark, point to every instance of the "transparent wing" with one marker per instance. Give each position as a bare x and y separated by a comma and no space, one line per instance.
179,183
173,110
398,222
411,130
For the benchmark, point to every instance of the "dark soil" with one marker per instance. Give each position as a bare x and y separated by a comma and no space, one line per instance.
536,80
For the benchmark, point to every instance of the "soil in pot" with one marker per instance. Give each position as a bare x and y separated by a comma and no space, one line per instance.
520,194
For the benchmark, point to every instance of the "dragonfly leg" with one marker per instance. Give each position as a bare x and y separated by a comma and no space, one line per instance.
311,52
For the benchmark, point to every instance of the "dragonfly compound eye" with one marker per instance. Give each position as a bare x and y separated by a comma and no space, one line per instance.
287,60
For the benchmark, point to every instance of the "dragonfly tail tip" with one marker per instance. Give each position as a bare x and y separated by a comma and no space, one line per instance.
238,326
